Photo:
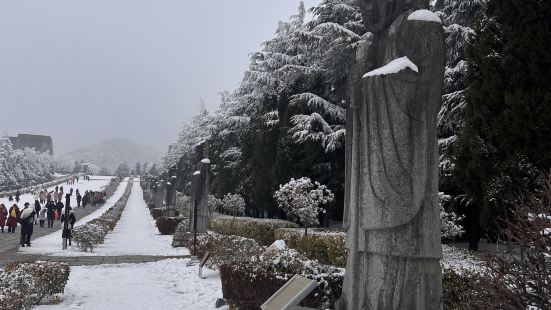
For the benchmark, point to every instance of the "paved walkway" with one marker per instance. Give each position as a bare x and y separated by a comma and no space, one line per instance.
10,242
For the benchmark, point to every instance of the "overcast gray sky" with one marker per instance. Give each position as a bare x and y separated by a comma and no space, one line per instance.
87,70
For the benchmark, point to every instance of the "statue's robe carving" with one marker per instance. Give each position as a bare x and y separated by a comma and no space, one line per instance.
391,202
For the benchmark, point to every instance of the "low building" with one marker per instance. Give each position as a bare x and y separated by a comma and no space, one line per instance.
42,144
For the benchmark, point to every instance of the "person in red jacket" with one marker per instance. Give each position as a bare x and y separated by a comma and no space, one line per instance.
3,216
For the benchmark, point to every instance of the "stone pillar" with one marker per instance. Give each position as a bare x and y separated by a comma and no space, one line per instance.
391,200
200,189
160,194
171,191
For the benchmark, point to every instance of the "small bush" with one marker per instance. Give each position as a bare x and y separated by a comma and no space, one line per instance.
328,247
459,288
156,213
23,285
248,285
167,225
89,235
261,230
226,249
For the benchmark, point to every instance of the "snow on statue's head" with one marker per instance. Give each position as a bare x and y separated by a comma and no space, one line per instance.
379,14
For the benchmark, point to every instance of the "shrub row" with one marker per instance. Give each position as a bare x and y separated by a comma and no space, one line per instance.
226,249
326,246
261,230
89,235
247,285
167,225
25,284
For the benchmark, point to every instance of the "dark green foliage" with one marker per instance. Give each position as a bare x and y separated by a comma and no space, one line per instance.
167,225
507,131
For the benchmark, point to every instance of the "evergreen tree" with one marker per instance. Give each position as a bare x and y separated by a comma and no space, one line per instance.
138,169
506,137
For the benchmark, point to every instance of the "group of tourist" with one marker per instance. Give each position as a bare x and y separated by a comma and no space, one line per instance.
48,207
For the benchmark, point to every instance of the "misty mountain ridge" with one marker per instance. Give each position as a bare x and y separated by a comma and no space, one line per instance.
113,152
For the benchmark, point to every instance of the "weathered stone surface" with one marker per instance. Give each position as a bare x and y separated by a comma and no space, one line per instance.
200,189
391,202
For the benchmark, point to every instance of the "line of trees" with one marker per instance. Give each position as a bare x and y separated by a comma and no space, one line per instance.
22,167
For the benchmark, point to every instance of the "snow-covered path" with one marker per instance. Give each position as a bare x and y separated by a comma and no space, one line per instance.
51,243
136,233
166,284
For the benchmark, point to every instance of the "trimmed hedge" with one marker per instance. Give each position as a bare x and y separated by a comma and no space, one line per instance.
167,225
226,249
248,285
89,235
25,284
261,230
326,246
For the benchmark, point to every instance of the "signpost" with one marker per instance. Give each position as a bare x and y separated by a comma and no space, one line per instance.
202,263
65,234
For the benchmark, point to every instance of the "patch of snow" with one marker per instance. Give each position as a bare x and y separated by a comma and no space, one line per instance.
459,260
166,284
425,15
279,244
197,172
394,66
205,161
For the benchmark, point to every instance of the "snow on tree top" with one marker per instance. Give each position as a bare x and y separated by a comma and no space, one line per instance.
394,66
425,15
205,161
197,172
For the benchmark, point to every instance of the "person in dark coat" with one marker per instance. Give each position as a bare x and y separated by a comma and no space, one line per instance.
61,189
59,207
51,215
37,208
17,194
79,199
10,198
26,219
13,215
72,217
3,216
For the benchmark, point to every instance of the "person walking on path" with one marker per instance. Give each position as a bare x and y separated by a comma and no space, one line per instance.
72,217
42,216
37,208
12,218
59,207
3,216
51,214
26,219
17,194
79,199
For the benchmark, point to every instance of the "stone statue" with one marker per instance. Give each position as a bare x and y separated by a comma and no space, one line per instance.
391,200
200,189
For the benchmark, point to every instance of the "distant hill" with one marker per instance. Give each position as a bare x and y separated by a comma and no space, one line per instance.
111,153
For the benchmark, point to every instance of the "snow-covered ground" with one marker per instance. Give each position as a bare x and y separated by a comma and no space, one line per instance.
167,284
135,233
96,183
